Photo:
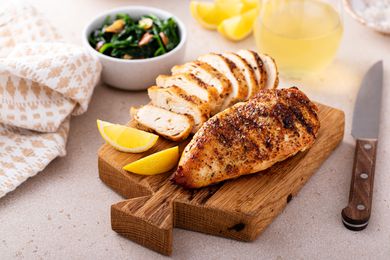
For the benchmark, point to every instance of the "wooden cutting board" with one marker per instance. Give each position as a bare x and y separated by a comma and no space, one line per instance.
239,209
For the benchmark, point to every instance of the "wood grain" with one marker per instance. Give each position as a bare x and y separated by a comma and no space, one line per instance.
239,209
357,213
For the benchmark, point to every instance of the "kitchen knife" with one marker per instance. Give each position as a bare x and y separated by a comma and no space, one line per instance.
365,128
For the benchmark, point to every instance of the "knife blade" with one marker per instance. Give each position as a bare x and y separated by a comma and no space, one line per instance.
365,129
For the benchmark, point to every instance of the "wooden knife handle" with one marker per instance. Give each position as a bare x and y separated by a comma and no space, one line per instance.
356,215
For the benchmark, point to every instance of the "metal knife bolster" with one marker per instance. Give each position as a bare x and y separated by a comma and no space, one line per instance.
356,215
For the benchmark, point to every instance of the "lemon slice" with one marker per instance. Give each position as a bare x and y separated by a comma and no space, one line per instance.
238,27
156,163
210,14
126,139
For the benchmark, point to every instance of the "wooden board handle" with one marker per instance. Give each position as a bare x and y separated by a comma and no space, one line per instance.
356,215
147,220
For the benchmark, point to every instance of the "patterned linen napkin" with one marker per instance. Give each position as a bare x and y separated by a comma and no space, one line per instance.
43,81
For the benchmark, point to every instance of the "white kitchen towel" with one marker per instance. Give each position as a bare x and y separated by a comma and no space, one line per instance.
43,81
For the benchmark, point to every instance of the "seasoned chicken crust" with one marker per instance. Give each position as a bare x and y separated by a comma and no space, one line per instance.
249,137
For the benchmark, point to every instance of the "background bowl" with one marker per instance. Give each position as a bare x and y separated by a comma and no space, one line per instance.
352,7
137,74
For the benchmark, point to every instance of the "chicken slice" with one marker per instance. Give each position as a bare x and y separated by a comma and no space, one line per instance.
232,72
173,126
209,75
256,63
193,86
249,137
179,101
247,70
271,70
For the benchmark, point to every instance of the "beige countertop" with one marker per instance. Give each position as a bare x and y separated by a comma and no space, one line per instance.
64,212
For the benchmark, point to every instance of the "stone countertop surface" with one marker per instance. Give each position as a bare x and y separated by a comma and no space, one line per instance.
64,212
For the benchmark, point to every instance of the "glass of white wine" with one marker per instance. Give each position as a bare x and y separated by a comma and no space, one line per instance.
301,35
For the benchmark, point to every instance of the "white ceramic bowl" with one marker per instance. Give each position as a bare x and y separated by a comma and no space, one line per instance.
137,74
353,6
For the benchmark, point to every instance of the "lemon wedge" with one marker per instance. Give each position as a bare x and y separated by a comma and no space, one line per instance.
126,139
250,4
238,27
247,4
156,163
210,14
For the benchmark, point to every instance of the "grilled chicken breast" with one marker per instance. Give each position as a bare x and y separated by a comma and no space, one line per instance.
199,89
193,86
232,72
173,126
271,70
209,75
179,101
257,65
249,137
246,70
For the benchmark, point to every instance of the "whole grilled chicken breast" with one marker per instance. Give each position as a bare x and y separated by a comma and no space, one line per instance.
249,137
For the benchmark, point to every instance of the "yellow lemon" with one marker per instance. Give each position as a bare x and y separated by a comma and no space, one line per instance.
238,27
247,4
210,14
156,163
250,4
126,139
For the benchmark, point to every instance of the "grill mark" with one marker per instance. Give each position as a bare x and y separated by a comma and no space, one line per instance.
226,84
251,71
300,98
250,120
298,114
298,103
260,65
284,115
204,110
199,82
239,77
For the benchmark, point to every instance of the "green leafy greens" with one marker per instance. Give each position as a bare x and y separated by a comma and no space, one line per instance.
127,38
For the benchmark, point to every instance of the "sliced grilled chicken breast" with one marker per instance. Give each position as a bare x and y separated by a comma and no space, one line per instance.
249,137
256,63
246,70
232,72
179,101
173,126
271,70
207,74
193,86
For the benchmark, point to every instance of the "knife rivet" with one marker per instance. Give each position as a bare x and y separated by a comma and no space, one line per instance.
364,175
367,146
360,207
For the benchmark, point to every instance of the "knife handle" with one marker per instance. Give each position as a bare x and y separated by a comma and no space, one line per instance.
356,215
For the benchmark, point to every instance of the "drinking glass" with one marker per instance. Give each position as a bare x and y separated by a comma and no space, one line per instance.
301,35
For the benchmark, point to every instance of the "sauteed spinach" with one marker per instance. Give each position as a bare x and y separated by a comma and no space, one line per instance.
128,38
